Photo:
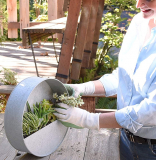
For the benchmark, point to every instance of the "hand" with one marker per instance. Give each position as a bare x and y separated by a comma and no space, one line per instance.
77,116
75,90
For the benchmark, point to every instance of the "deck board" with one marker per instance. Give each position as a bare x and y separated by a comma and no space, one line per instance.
73,146
79,144
26,156
21,60
1,118
7,152
101,144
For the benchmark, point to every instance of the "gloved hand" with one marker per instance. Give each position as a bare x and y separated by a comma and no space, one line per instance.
77,116
74,90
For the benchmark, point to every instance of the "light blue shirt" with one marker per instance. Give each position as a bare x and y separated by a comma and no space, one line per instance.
134,81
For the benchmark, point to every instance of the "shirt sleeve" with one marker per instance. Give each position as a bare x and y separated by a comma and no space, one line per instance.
110,83
140,115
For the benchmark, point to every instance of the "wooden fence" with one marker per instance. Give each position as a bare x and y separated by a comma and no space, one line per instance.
55,10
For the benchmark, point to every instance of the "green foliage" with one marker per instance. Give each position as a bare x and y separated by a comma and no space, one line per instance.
3,102
9,77
89,75
41,114
113,35
41,18
121,4
41,10
3,20
107,103
105,63
31,123
39,117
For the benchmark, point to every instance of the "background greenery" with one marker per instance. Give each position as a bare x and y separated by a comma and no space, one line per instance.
110,29
3,18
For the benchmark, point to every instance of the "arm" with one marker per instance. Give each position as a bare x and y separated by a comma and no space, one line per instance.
99,89
108,120
106,85
85,119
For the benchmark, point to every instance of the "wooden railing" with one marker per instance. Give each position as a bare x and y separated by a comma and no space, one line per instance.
88,100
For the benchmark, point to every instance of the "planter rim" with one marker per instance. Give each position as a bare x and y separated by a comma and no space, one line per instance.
32,89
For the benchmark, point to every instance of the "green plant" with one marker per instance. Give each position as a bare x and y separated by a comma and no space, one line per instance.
107,103
108,64
3,20
9,77
41,10
113,34
89,75
39,117
31,123
3,102
113,37
41,114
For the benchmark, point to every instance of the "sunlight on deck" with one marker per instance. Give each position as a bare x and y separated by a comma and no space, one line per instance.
22,61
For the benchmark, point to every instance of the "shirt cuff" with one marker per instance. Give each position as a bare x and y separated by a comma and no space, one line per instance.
125,120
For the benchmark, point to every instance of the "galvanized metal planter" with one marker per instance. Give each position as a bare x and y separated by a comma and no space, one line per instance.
46,140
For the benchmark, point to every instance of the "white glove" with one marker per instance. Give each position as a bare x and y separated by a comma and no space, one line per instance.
75,90
77,116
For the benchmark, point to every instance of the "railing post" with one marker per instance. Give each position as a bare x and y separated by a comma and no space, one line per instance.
12,17
52,10
24,15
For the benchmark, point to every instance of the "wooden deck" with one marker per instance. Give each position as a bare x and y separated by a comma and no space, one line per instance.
79,144
21,60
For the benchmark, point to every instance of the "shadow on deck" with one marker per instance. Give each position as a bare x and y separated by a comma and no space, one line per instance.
22,62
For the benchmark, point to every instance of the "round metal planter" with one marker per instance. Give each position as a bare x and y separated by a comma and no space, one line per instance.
46,140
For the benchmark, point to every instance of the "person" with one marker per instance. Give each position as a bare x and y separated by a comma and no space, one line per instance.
134,82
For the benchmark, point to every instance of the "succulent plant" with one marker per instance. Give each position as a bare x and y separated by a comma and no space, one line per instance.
38,117
41,114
